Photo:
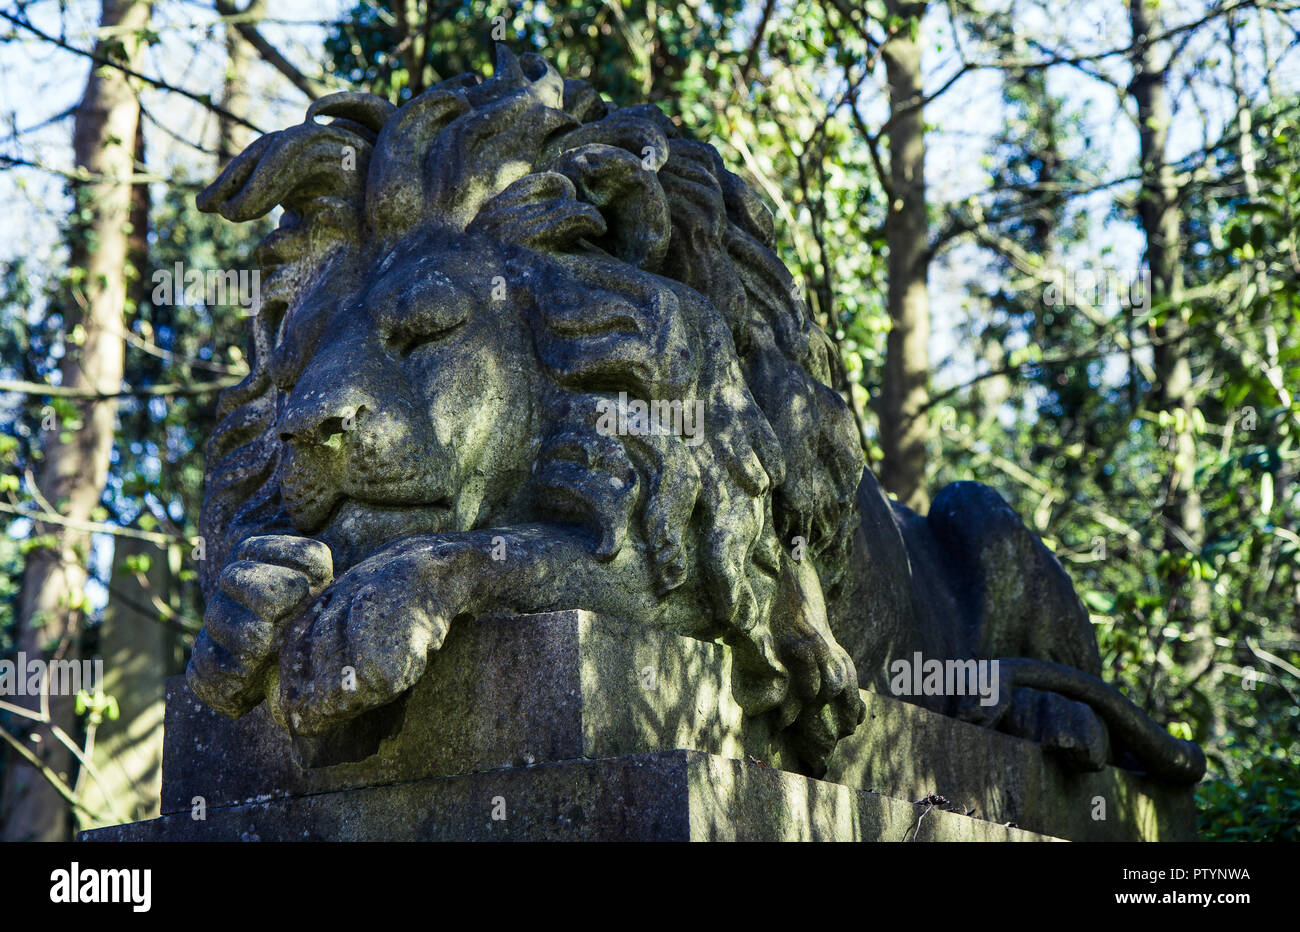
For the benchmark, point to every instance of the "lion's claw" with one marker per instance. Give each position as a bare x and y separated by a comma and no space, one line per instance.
271,579
368,643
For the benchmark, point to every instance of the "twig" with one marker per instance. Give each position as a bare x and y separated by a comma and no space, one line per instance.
202,99
272,56
146,391
91,527
53,778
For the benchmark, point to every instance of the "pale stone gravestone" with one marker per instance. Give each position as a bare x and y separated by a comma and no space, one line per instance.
542,516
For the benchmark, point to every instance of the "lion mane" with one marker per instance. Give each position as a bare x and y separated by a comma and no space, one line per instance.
672,292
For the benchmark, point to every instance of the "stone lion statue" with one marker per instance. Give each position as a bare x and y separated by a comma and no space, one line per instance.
519,350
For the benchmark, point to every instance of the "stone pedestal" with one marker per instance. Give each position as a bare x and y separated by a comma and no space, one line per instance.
566,726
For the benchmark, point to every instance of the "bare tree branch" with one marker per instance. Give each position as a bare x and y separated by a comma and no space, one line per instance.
202,99
270,54
148,391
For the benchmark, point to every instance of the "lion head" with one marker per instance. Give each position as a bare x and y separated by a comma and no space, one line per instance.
465,292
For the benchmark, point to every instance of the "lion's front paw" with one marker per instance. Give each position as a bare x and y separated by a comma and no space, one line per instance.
269,580
825,684
364,643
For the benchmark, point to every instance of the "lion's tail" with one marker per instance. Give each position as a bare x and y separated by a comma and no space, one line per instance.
1163,755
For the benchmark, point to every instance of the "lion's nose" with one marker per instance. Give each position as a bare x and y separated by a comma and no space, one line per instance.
323,423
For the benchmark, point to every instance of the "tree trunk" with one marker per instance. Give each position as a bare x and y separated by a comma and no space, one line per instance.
904,426
76,454
139,652
1182,523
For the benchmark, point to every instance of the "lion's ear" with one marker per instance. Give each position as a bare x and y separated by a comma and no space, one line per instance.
629,129
539,211
629,197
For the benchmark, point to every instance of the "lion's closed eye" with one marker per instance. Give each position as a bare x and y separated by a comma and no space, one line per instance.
426,312
409,339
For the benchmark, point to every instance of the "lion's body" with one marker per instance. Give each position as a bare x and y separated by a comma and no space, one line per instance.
449,329
967,581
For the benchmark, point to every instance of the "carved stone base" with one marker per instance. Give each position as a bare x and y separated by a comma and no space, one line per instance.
666,796
570,726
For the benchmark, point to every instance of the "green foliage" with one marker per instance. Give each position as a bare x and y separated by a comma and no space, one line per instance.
630,56
1261,804
1077,440
10,575
97,707
156,479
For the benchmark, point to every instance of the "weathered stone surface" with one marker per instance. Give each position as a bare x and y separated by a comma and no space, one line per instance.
908,752
525,350
668,796
570,686
504,692
528,351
